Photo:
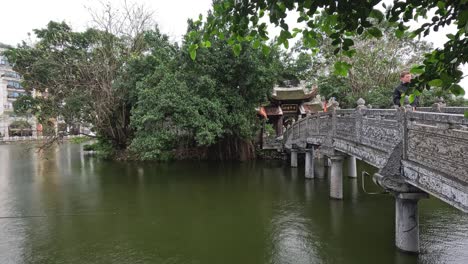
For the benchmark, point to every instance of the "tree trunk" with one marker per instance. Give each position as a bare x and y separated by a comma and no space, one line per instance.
232,148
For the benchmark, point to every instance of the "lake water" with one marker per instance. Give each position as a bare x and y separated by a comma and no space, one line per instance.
60,206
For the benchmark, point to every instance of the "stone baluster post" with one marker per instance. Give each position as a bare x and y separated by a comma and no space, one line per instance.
360,113
336,177
407,107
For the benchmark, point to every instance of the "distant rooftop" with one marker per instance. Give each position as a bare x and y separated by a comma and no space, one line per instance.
299,92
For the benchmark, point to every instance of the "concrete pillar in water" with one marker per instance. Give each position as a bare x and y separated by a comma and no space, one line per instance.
294,158
336,177
407,221
352,171
354,190
320,167
328,165
294,174
309,163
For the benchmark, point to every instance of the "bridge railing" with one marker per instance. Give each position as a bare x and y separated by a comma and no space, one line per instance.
431,148
444,109
380,129
346,125
318,124
436,155
376,128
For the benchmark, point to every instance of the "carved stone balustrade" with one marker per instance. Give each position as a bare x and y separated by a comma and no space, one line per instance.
425,149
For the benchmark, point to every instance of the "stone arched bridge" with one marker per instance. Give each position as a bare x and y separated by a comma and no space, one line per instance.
420,152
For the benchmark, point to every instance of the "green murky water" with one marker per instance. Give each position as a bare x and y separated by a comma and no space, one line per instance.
60,206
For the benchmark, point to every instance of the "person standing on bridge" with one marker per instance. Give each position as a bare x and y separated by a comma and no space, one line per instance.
405,79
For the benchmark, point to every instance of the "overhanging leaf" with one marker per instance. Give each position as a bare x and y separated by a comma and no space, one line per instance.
399,33
341,68
193,54
436,83
237,49
348,42
221,36
376,14
193,51
266,50
417,70
375,32
457,90
256,44
402,100
441,4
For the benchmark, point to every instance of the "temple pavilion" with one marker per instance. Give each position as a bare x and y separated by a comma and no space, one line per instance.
288,103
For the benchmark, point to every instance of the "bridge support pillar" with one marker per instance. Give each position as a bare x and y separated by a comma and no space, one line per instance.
328,165
320,167
294,158
407,221
352,171
336,177
309,163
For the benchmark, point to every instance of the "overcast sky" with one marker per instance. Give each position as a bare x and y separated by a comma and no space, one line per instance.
18,17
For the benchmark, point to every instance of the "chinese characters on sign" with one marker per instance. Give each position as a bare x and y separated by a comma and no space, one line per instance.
289,108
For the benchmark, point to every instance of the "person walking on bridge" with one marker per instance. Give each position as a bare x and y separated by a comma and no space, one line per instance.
405,79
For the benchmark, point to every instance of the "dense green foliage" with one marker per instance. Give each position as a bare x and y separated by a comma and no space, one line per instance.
429,97
375,71
152,101
76,72
90,147
79,140
146,98
209,102
340,21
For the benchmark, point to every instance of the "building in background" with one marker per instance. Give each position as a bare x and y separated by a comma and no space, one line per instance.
11,124
288,104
